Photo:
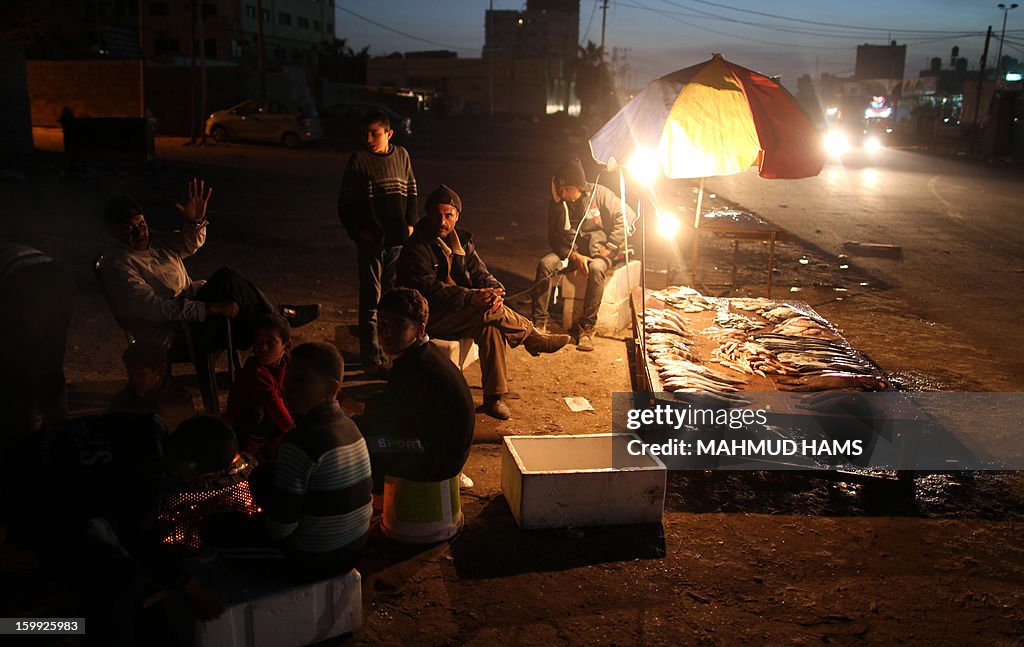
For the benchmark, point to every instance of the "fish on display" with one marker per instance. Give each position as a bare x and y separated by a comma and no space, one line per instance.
833,381
752,304
686,299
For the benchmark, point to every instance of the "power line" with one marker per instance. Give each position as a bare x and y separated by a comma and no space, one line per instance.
830,33
590,22
672,16
402,33
824,24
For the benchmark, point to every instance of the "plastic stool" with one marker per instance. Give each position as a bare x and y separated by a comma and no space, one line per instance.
420,512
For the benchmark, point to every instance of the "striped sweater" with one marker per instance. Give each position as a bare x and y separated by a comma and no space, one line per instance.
378,195
321,496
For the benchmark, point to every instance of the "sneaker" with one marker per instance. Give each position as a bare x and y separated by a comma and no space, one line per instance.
495,407
299,316
538,343
586,340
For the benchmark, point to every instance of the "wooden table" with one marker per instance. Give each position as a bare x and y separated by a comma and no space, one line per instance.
737,226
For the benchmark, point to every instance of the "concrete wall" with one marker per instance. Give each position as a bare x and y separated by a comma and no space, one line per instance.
111,89
15,116
89,88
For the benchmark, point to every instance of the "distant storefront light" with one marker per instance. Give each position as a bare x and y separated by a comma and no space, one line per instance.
1013,76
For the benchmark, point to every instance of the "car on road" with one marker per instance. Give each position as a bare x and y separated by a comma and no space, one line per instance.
266,121
870,135
341,121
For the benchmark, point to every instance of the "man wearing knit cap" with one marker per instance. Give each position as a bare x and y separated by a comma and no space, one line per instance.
465,300
585,229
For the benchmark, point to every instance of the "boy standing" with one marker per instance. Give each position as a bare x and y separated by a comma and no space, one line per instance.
256,408
377,206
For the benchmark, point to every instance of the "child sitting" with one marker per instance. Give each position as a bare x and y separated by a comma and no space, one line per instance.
316,498
256,408
150,385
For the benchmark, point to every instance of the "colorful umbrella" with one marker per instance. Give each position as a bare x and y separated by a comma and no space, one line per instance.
711,119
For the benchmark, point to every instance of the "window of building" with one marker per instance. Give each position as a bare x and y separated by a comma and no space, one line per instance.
250,11
209,9
165,46
266,15
158,8
316,25
330,28
284,18
210,47
302,22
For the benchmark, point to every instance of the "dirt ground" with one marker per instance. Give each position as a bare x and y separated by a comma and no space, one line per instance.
737,557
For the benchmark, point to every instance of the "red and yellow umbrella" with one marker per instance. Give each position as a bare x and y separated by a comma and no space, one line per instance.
715,118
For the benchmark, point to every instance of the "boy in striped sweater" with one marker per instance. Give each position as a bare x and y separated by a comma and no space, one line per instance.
377,206
316,497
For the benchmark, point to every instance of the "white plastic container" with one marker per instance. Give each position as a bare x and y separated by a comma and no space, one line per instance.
580,480
284,617
615,312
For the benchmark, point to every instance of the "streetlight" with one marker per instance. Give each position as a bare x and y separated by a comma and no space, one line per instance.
999,56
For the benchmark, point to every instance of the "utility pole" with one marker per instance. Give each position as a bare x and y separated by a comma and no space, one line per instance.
259,44
192,76
977,96
142,66
489,42
604,16
202,75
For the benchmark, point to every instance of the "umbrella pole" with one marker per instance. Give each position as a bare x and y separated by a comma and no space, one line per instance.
643,277
694,256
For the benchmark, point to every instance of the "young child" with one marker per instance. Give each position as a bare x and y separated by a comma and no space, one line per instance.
316,497
377,206
256,408
150,385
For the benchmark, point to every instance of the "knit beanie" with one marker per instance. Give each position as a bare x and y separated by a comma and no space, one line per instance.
571,174
443,194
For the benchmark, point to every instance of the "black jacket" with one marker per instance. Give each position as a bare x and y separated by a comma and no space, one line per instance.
421,426
423,267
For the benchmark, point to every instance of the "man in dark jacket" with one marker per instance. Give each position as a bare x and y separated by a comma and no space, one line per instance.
585,229
421,427
465,300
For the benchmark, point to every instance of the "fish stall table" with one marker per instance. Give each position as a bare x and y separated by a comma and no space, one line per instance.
747,349
737,226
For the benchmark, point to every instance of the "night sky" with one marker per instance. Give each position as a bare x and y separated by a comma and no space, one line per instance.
664,35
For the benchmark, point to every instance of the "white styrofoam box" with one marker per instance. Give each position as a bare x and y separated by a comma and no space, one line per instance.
580,480
256,616
614,314
462,352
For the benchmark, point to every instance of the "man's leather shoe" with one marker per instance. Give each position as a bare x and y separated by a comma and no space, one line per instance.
299,316
495,407
538,343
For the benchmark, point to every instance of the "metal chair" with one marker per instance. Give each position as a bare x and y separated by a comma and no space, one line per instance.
205,364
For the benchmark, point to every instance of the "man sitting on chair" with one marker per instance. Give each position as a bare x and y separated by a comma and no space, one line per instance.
151,292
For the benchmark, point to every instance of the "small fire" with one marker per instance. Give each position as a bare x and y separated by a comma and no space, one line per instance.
182,512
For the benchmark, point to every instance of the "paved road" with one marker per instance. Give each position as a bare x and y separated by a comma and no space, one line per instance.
959,224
